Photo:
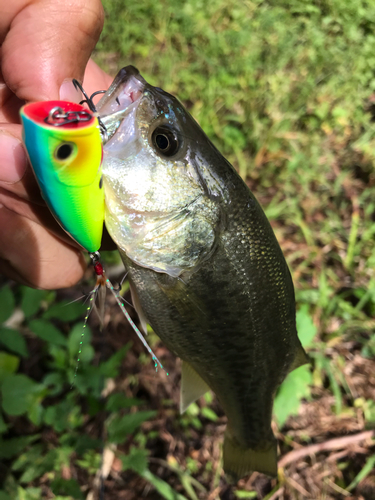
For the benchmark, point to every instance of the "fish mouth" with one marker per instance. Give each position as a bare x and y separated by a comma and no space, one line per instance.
120,99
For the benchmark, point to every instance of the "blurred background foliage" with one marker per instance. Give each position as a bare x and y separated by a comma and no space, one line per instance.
286,90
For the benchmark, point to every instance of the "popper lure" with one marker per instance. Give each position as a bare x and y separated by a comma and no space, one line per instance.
64,146
63,142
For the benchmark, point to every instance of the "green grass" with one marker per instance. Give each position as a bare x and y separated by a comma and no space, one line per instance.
286,90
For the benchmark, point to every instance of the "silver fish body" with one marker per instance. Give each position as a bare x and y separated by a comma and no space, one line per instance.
205,268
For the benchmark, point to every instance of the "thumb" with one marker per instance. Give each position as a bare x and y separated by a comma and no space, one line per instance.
46,42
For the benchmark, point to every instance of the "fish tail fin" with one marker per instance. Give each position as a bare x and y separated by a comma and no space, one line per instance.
239,461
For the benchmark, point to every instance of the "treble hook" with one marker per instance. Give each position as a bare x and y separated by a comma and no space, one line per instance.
89,101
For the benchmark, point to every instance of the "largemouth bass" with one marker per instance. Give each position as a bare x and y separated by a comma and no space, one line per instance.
205,268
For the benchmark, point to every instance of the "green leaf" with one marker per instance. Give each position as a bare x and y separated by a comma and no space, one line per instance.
209,413
162,487
32,455
59,357
7,303
77,335
68,487
14,341
31,299
305,326
35,470
119,427
4,495
34,463
367,468
292,390
35,412
88,380
368,351
246,494
8,364
80,443
136,460
369,411
47,331
19,393
186,480
118,401
90,461
66,311
13,446
29,493
3,425
64,415
55,382
111,367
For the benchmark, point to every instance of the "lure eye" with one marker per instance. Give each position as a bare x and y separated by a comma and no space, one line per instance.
165,141
64,151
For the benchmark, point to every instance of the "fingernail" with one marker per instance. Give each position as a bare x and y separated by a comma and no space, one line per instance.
69,93
13,159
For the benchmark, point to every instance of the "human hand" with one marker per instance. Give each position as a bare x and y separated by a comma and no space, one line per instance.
44,44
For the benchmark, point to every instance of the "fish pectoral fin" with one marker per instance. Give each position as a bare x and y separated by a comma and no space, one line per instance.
192,386
300,359
239,461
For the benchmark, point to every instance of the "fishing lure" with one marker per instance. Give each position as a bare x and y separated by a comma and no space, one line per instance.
64,144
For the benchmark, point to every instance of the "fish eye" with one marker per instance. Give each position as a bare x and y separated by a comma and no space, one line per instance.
165,141
64,150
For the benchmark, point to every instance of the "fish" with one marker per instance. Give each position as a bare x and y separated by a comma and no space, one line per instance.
204,266
64,146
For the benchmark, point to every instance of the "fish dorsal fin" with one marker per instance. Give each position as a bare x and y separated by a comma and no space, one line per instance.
137,306
300,359
192,386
